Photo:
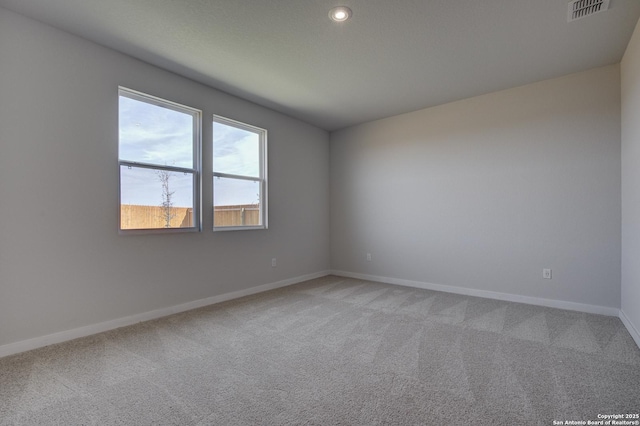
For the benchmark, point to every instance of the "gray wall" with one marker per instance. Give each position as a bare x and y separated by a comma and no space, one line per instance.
62,263
630,70
486,192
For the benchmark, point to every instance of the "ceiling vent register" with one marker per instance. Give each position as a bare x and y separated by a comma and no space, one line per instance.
579,9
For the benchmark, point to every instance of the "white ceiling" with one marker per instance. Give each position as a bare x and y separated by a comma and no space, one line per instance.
393,56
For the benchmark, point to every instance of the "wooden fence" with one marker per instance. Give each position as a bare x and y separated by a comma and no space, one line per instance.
247,214
153,217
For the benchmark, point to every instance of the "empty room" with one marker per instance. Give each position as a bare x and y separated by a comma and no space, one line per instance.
318,212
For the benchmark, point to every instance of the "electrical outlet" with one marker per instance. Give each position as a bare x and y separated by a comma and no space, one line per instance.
368,257
274,262
546,274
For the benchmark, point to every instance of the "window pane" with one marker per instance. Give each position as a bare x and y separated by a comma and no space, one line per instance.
153,198
236,202
235,151
154,134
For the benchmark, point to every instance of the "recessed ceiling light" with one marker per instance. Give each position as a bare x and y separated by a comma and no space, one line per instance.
340,13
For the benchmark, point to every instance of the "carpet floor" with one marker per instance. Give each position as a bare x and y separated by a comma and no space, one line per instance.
334,351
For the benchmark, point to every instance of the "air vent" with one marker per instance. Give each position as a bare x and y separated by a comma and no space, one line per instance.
579,9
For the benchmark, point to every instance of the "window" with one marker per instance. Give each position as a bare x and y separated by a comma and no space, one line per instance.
159,145
239,175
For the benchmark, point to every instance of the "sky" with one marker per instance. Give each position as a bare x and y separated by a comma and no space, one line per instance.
157,135
236,151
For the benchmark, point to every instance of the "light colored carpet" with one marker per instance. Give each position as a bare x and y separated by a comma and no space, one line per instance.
334,351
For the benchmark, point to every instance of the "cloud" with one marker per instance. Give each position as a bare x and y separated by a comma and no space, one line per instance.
153,134
235,151
156,135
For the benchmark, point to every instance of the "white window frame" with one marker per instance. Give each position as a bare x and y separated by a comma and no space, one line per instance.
195,171
262,179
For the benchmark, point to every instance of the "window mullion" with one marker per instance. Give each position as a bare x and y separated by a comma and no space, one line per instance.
240,177
156,166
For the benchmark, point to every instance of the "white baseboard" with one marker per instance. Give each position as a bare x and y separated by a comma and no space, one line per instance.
633,331
560,304
63,336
